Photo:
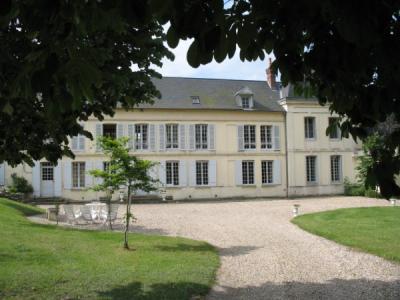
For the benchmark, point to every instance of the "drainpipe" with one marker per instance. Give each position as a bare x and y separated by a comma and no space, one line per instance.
286,154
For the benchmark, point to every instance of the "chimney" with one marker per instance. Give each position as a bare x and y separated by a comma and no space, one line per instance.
271,80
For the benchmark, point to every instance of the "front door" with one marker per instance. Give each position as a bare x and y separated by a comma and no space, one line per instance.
47,179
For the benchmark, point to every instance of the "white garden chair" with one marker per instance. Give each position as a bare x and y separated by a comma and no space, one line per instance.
87,213
72,216
112,216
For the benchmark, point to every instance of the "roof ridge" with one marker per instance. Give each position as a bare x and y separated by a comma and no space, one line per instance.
203,78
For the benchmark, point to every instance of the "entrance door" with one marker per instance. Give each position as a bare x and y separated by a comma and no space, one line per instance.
47,180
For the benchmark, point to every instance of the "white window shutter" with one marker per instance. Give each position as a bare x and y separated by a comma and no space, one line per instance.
212,173
182,173
192,173
182,137
57,180
88,177
211,137
191,137
97,165
81,142
162,137
240,137
152,137
99,133
131,136
238,172
36,179
277,141
276,171
2,174
67,175
120,130
162,172
74,143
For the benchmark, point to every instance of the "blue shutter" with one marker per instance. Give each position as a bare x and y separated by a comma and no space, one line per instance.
57,180
67,175
36,179
191,137
182,137
120,130
2,174
131,136
240,137
88,177
276,171
211,137
276,136
162,173
162,137
212,173
74,143
99,133
238,172
182,173
192,173
152,137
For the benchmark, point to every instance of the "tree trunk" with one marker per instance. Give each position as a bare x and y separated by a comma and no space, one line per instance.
109,212
128,217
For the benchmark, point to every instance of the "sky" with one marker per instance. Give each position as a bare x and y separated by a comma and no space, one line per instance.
228,69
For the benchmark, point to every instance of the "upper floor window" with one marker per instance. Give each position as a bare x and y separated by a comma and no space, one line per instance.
171,131
336,167
172,172
110,130
335,132
195,99
201,136
249,136
141,136
78,174
311,169
309,127
201,172
245,102
247,172
266,136
267,171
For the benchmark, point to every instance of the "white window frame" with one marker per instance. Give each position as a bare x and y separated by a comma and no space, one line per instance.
336,168
267,172
245,101
336,131
249,137
141,136
248,172
311,169
201,136
266,137
310,128
171,136
78,174
202,172
172,173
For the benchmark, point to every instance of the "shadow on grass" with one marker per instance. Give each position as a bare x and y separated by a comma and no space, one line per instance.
230,251
26,210
165,291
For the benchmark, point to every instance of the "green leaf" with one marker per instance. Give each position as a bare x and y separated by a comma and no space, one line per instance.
193,54
172,37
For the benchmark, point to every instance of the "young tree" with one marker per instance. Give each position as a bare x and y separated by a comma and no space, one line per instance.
127,170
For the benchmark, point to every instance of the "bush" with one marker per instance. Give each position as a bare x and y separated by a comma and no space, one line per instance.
353,189
20,185
372,194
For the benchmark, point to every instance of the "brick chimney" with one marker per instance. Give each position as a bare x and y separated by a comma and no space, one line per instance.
271,80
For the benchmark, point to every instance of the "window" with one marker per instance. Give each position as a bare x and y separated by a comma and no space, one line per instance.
172,172
141,137
267,171
311,169
335,133
171,131
201,136
336,167
195,99
47,171
110,130
201,172
248,172
245,102
249,135
309,127
106,166
266,137
78,174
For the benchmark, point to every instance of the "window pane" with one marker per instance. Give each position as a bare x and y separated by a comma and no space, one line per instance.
311,169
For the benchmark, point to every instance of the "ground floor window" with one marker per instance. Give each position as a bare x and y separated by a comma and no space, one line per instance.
47,171
336,175
172,172
267,171
248,172
78,174
311,169
202,172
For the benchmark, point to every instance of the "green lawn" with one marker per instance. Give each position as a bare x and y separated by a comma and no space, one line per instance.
48,262
374,229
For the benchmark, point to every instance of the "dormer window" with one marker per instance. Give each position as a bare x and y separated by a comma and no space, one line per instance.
195,99
245,102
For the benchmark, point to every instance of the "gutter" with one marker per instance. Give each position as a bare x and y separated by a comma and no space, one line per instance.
286,154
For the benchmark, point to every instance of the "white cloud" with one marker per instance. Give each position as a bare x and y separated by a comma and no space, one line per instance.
230,69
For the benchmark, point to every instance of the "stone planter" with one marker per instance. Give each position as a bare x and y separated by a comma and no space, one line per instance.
52,214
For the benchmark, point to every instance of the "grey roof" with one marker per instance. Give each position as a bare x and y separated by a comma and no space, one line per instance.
176,93
288,93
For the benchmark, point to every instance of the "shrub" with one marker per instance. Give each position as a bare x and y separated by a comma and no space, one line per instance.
372,194
353,189
20,185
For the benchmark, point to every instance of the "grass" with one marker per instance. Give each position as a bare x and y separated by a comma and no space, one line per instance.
49,262
375,230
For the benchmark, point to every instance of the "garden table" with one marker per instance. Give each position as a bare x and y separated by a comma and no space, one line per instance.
95,208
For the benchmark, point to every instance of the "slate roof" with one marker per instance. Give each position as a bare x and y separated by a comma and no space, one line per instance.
176,93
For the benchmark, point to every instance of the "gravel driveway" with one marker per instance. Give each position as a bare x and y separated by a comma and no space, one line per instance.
264,256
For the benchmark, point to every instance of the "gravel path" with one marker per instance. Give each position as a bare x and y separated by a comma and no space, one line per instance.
264,256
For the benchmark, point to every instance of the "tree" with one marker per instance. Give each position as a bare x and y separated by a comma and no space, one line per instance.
347,51
63,61
124,169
